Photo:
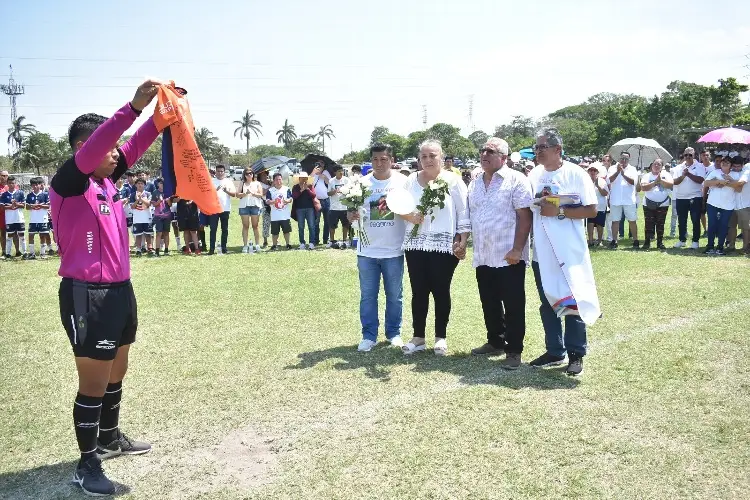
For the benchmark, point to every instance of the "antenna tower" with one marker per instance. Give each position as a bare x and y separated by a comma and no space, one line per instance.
424,117
12,90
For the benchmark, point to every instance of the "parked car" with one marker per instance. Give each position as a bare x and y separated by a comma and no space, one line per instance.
236,173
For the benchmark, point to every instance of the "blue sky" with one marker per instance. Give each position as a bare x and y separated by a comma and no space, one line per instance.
355,64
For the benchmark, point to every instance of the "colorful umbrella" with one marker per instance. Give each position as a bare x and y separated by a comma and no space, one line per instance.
729,135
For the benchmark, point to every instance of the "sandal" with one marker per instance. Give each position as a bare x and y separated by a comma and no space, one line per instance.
441,347
411,348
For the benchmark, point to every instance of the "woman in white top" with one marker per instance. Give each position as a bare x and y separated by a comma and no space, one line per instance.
433,254
720,205
655,186
251,195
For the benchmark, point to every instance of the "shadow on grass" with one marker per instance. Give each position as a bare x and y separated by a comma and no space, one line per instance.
471,370
46,481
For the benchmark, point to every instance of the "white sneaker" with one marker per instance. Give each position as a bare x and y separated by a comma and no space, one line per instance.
257,248
331,245
310,246
244,249
301,246
679,244
694,246
366,345
342,245
396,341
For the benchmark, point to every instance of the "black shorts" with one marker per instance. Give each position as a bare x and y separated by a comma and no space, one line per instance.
142,228
600,220
98,317
16,227
130,221
283,225
38,228
162,225
188,223
334,216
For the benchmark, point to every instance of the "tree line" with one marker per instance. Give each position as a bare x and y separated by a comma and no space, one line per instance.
675,118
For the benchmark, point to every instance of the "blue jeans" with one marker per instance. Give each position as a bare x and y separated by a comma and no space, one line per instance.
325,206
370,270
575,328
718,225
305,214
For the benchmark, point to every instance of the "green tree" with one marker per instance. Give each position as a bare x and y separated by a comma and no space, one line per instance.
246,125
325,132
18,131
378,134
208,144
478,138
354,157
578,136
397,142
151,159
6,162
413,141
307,143
40,153
286,134
265,150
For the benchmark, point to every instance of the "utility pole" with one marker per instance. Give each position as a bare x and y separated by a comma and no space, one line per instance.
12,90
424,116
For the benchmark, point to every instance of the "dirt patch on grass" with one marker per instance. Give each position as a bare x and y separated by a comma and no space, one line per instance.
248,457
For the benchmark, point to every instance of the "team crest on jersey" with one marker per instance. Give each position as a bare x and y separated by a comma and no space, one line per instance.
81,322
104,209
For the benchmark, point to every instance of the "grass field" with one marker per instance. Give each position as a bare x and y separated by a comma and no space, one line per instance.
246,380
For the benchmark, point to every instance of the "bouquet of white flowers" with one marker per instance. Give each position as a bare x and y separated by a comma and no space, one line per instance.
354,196
433,195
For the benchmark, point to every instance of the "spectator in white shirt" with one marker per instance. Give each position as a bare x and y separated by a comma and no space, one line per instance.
720,206
655,185
337,213
500,216
742,202
622,197
688,190
319,182
279,199
433,254
252,196
225,190
705,158
598,222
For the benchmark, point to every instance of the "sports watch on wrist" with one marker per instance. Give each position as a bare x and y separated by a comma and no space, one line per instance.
561,213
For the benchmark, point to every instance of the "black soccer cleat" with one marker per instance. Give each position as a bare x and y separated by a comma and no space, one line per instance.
89,475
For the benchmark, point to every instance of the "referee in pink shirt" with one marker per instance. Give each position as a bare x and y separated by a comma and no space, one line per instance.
499,207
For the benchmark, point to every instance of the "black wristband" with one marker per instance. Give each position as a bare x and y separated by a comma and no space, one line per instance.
134,110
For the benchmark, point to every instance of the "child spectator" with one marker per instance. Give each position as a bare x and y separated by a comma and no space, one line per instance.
279,198
162,216
140,202
598,222
37,201
14,202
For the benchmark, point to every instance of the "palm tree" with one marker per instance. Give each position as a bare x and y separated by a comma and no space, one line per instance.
207,142
19,130
325,131
246,125
287,134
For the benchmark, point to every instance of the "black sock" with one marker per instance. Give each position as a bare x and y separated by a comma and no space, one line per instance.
108,424
86,411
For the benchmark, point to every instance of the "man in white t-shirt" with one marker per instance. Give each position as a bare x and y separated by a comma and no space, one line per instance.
705,159
319,182
688,191
337,213
225,190
622,197
279,198
553,176
742,205
382,256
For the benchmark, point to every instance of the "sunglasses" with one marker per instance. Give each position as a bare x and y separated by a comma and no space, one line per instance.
689,155
488,151
541,147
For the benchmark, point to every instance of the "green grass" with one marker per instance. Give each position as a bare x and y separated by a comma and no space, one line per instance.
246,380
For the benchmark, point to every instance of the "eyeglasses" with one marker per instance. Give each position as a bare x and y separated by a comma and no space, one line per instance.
541,147
488,151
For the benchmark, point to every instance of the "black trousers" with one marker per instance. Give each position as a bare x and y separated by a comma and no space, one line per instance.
503,295
213,222
693,207
430,273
